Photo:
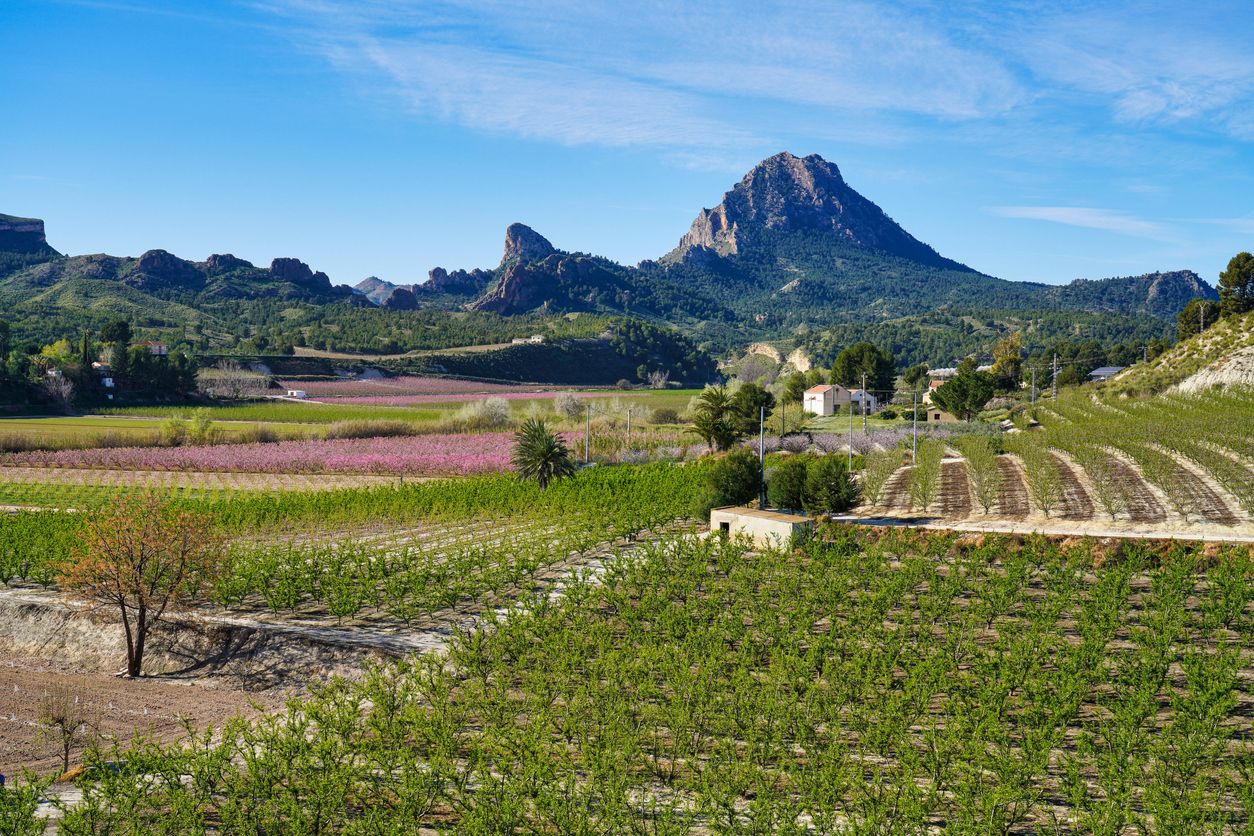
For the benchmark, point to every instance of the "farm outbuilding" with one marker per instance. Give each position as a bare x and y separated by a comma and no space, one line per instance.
765,528
299,394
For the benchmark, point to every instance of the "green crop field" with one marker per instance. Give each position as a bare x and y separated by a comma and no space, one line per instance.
866,684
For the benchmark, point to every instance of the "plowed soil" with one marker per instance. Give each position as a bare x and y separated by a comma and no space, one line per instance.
897,491
1204,501
955,493
1013,500
1074,503
114,706
1143,505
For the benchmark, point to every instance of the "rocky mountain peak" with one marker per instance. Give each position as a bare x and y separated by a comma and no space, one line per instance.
22,235
787,193
298,273
522,243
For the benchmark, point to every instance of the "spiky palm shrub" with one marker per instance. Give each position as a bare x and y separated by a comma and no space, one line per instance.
539,455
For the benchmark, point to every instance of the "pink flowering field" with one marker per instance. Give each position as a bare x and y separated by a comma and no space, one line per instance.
405,385
406,400
428,455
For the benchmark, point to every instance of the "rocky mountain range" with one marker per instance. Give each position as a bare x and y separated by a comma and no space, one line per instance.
791,246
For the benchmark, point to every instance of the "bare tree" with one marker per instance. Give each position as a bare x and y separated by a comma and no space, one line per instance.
59,389
230,380
659,378
65,719
142,557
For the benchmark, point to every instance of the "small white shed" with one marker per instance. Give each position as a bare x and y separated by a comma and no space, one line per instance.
297,393
765,528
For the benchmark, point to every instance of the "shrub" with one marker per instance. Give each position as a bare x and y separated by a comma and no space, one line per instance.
880,465
258,434
828,486
887,414
733,479
369,429
925,477
786,484
173,430
568,405
664,415
490,413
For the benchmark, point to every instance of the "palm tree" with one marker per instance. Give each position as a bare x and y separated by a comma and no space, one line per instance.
713,418
539,455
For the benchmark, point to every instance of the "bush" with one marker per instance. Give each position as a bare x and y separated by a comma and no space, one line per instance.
258,434
887,414
623,383
568,405
733,479
664,415
828,486
174,429
491,413
786,484
369,429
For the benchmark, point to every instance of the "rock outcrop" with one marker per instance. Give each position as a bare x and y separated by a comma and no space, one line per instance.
297,272
522,243
456,282
22,235
401,299
158,270
786,193
217,264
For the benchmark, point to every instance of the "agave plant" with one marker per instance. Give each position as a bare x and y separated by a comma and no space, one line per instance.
539,455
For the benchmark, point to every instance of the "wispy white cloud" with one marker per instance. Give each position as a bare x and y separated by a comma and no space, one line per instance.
688,76
1087,218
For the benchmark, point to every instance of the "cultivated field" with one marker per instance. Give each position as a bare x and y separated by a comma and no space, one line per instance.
1172,465
867,683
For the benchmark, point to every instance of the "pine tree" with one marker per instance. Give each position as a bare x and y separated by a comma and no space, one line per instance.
1236,286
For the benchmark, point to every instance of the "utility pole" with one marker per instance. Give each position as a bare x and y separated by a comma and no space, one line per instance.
914,451
630,409
1034,387
587,434
851,435
1201,318
1055,375
1145,353
864,404
762,457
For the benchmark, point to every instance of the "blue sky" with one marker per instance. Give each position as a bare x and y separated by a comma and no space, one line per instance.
1032,140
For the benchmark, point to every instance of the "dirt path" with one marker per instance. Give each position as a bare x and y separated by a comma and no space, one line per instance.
1012,502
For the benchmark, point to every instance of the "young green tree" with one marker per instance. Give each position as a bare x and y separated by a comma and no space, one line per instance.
829,489
540,456
1198,314
733,479
1236,285
925,476
864,359
1008,360
794,388
980,455
878,467
747,403
965,394
915,378
786,484
714,418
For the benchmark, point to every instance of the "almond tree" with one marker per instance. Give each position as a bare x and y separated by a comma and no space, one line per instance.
142,557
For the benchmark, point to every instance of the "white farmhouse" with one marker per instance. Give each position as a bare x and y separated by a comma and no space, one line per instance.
820,400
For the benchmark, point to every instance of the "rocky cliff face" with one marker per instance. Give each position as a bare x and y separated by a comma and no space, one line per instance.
789,194
297,272
1162,294
158,270
22,235
455,282
522,243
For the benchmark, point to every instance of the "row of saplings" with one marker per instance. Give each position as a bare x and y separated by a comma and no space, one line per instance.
811,483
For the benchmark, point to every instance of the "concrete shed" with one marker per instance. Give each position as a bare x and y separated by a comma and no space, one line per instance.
765,528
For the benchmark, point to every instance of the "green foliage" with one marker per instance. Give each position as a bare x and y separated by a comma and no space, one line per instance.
1236,286
878,467
715,420
794,388
539,455
1197,316
733,479
829,486
926,472
980,454
743,693
861,361
748,404
964,395
786,483
18,807
916,377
